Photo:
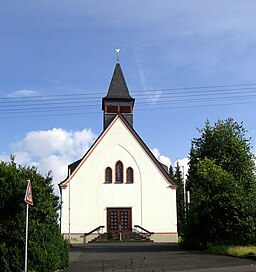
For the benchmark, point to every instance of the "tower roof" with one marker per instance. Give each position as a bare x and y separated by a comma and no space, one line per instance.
118,88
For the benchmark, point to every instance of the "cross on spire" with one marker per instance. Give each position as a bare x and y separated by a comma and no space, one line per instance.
117,54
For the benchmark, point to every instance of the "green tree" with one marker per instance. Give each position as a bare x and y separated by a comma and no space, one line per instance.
171,172
221,181
47,249
178,177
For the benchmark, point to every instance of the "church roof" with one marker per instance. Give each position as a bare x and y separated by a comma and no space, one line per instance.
118,88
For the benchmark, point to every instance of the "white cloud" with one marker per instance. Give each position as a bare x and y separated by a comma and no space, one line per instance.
140,65
23,157
52,150
163,159
57,141
151,95
22,93
183,163
60,164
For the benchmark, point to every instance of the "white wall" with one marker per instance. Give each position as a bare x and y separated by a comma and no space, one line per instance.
152,201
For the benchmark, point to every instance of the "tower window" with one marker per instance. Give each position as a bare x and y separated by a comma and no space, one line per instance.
129,175
125,109
108,175
116,109
119,172
112,109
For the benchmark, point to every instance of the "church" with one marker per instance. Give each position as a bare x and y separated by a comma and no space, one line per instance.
118,189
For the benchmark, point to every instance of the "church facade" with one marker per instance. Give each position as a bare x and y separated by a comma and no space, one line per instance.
118,185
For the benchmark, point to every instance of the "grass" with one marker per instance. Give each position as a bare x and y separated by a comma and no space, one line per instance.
236,251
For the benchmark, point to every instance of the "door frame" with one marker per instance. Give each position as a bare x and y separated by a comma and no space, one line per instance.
119,211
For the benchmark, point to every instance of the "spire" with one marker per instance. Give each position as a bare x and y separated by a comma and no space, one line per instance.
118,88
118,99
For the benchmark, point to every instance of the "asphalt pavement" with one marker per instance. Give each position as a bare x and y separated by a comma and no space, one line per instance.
151,257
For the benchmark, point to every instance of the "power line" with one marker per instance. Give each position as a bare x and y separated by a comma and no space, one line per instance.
136,91
146,95
68,113
146,99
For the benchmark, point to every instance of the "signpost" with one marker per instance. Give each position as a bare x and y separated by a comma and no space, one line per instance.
29,200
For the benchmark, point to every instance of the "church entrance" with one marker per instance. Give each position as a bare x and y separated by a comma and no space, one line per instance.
119,219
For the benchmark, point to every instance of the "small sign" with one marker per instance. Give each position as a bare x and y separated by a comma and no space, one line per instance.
28,196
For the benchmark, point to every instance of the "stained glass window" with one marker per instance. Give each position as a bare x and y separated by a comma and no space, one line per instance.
108,175
129,175
119,172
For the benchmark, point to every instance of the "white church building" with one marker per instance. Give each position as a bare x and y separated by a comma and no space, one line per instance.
118,187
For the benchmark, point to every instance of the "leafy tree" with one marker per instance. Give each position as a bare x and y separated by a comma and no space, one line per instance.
178,177
47,249
222,182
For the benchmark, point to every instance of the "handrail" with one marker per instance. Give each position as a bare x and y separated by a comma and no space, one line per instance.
99,227
149,232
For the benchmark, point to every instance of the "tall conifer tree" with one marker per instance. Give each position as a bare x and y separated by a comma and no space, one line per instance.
180,200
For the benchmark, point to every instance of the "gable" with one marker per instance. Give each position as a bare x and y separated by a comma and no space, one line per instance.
120,137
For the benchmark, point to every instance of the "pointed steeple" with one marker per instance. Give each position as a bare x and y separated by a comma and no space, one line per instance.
118,99
118,87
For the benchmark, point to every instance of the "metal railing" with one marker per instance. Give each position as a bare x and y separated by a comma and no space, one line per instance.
92,231
96,229
148,233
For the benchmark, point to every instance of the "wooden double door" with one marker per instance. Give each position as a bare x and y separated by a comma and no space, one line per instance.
119,219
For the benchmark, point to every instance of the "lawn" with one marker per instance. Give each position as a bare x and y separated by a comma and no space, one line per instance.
237,251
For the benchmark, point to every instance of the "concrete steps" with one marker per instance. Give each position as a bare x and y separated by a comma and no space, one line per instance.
109,237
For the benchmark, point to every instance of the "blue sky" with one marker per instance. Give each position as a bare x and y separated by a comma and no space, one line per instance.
169,49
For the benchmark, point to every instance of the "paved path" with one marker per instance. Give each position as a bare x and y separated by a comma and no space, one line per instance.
149,257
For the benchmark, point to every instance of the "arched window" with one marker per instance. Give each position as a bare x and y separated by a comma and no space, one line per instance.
108,175
129,175
119,172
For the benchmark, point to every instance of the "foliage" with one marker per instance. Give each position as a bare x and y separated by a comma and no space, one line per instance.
171,172
47,249
178,177
221,181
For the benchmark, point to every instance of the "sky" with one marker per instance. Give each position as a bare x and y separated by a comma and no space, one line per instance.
184,62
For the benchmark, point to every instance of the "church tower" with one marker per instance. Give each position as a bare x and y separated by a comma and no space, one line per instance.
118,99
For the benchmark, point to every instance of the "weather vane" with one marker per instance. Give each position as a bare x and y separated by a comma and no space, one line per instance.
117,54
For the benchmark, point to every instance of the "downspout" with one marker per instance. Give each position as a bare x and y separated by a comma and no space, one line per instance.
141,199
69,205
